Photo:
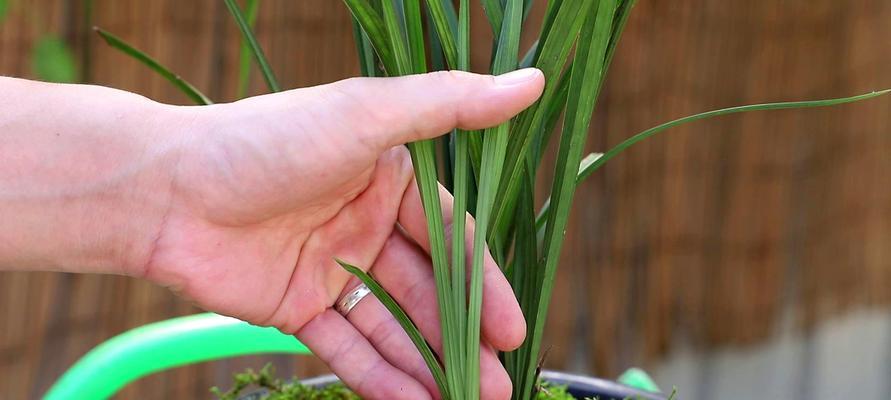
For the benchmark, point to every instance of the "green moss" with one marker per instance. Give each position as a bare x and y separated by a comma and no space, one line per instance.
276,389
549,391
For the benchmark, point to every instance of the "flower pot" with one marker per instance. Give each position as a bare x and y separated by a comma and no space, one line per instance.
582,387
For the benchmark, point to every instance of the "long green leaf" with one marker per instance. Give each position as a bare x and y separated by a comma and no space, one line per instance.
415,35
459,211
494,147
553,55
495,13
755,107
373,26
423,160
584,89
251,40
244,52
539,144
395,27
445,32
551,13
586,169
175,79
523,275
364,50
407,324
439,62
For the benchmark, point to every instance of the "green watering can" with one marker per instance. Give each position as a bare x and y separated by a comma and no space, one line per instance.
187,340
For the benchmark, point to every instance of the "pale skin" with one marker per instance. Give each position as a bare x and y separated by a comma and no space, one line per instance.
242,207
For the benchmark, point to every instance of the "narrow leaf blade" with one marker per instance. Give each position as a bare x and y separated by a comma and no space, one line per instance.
585,172
373,26
251,40
404,321
244,53
495,142
176,80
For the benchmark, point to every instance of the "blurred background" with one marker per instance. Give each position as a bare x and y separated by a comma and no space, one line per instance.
746,257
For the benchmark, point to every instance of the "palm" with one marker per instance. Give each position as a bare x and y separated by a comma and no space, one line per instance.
272,268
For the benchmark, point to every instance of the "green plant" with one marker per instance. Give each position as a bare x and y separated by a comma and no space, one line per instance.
276,389
4,5
500,172
52,60
492,174
51,57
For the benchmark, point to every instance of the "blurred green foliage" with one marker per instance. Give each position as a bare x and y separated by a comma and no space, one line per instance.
4,5
52,61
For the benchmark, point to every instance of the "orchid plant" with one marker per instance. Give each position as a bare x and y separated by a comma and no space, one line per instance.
491,174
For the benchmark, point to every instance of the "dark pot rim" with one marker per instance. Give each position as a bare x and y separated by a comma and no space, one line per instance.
582,386
579,386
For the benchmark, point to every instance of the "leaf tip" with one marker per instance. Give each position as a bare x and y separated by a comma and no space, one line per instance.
347,266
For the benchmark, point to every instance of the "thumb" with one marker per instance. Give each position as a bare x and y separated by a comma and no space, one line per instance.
384,112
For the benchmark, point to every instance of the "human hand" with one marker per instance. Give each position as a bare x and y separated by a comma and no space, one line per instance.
266,191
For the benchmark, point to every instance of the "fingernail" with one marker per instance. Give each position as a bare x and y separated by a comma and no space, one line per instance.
517,77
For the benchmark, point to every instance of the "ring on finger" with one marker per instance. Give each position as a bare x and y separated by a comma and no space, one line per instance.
351,299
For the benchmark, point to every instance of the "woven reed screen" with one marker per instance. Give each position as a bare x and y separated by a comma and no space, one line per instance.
705,235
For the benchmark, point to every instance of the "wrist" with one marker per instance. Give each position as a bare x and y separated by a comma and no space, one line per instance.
145,193
86,178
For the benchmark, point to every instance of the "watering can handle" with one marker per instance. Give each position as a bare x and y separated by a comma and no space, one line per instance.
162,345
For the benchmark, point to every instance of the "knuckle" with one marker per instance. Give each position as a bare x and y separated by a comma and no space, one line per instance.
344,349
362,114
447,77
416,293
383,334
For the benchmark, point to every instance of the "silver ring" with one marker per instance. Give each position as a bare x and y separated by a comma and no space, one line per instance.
346,304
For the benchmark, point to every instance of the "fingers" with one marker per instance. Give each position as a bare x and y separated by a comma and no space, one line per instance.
375,322
391,111
405,271
355,361
502,322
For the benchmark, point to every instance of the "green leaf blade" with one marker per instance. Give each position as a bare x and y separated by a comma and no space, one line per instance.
568,19
405,322
594,161
398,23
395,26
585,172
373,26
248,35
441,22
415,34
461,186
586,80
244,52
495,13
187,88
495,142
